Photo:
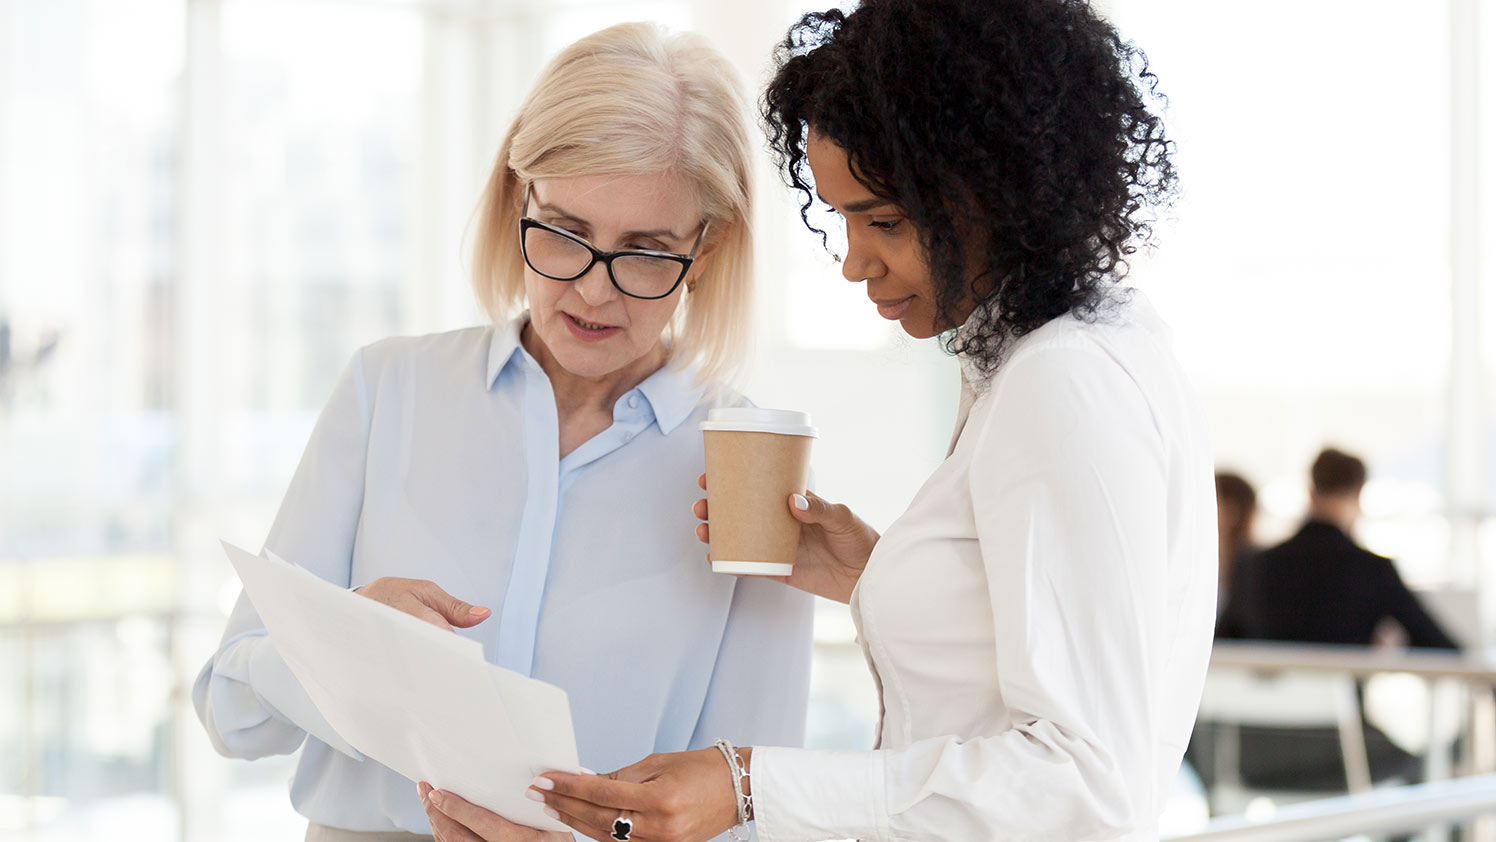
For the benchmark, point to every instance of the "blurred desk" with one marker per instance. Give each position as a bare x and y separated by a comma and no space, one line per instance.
1475,674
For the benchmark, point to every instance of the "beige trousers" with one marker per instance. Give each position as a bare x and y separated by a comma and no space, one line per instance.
323,833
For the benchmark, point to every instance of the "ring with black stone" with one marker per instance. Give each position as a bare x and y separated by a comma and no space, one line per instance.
623,826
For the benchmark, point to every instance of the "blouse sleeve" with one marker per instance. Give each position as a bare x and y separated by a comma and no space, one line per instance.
246,696
1069,490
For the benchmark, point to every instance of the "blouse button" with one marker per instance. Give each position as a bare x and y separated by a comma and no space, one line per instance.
633,401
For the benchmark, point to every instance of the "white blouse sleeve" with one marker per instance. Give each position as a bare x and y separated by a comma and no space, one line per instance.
1068,486
246,696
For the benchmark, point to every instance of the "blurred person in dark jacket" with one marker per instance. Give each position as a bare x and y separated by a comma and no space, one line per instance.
1320,586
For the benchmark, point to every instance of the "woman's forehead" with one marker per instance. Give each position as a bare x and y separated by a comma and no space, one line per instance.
662,199
835,183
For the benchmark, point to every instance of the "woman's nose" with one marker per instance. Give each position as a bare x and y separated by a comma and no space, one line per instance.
595,287
861,262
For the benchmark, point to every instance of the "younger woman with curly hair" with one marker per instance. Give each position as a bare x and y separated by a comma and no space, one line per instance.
1039,620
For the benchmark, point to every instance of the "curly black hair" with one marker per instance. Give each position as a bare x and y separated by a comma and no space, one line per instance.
1014,130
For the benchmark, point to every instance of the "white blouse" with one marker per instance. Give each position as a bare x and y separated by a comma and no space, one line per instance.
1038,621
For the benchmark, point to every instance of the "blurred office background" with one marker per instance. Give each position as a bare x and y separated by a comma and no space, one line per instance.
207,205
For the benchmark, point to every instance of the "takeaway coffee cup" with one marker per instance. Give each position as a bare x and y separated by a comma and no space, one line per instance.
755,459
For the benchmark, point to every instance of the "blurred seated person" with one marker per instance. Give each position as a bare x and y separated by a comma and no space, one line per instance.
1320,586
1236,509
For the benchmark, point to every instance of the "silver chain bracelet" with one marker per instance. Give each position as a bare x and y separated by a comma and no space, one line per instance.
745,801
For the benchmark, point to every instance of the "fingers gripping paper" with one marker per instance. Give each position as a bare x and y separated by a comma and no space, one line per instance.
418,699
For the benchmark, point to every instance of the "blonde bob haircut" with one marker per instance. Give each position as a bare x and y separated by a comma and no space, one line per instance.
635,99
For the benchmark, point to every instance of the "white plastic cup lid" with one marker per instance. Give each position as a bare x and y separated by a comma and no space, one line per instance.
750,419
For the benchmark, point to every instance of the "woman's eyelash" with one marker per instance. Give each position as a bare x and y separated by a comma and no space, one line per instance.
888,225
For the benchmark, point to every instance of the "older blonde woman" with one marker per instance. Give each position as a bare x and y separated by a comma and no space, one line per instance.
529,483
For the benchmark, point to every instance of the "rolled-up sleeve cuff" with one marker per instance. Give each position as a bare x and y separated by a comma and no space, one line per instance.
803,795
272,679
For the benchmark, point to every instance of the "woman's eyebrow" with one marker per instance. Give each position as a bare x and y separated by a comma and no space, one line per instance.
654,234
862,206
558,213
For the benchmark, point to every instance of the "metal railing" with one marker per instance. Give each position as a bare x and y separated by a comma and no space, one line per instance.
1380,811
1355,660
1441,801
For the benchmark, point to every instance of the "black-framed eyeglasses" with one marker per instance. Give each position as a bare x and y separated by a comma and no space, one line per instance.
560,255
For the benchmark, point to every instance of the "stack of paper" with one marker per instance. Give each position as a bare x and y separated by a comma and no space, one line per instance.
419,699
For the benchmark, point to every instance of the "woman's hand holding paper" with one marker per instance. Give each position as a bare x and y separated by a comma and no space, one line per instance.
684,796
454,819
424,600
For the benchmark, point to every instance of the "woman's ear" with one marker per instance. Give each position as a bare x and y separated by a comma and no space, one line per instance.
707,252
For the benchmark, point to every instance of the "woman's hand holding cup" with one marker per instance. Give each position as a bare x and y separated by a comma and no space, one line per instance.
834,545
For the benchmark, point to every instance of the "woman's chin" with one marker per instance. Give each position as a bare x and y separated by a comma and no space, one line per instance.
918,327
588,357
586,362
589,360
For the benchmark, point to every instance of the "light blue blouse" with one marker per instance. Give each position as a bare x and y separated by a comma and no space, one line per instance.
437,458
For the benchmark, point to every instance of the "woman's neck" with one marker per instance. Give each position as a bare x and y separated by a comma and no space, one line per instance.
579,396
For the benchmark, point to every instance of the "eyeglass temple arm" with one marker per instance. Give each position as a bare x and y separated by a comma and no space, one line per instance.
699,237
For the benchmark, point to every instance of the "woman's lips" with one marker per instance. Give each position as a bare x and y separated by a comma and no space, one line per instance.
588,331
893,310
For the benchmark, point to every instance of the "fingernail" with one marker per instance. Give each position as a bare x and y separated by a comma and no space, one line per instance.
587,771
436,797
552,813
534,796
800,502
543,783
477,609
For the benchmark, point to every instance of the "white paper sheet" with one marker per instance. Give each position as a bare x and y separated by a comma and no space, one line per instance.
420,700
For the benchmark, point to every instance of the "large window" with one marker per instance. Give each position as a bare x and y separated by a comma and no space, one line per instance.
89,162
1307,273
87,262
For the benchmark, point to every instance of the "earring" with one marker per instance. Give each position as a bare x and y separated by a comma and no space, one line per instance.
691,286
